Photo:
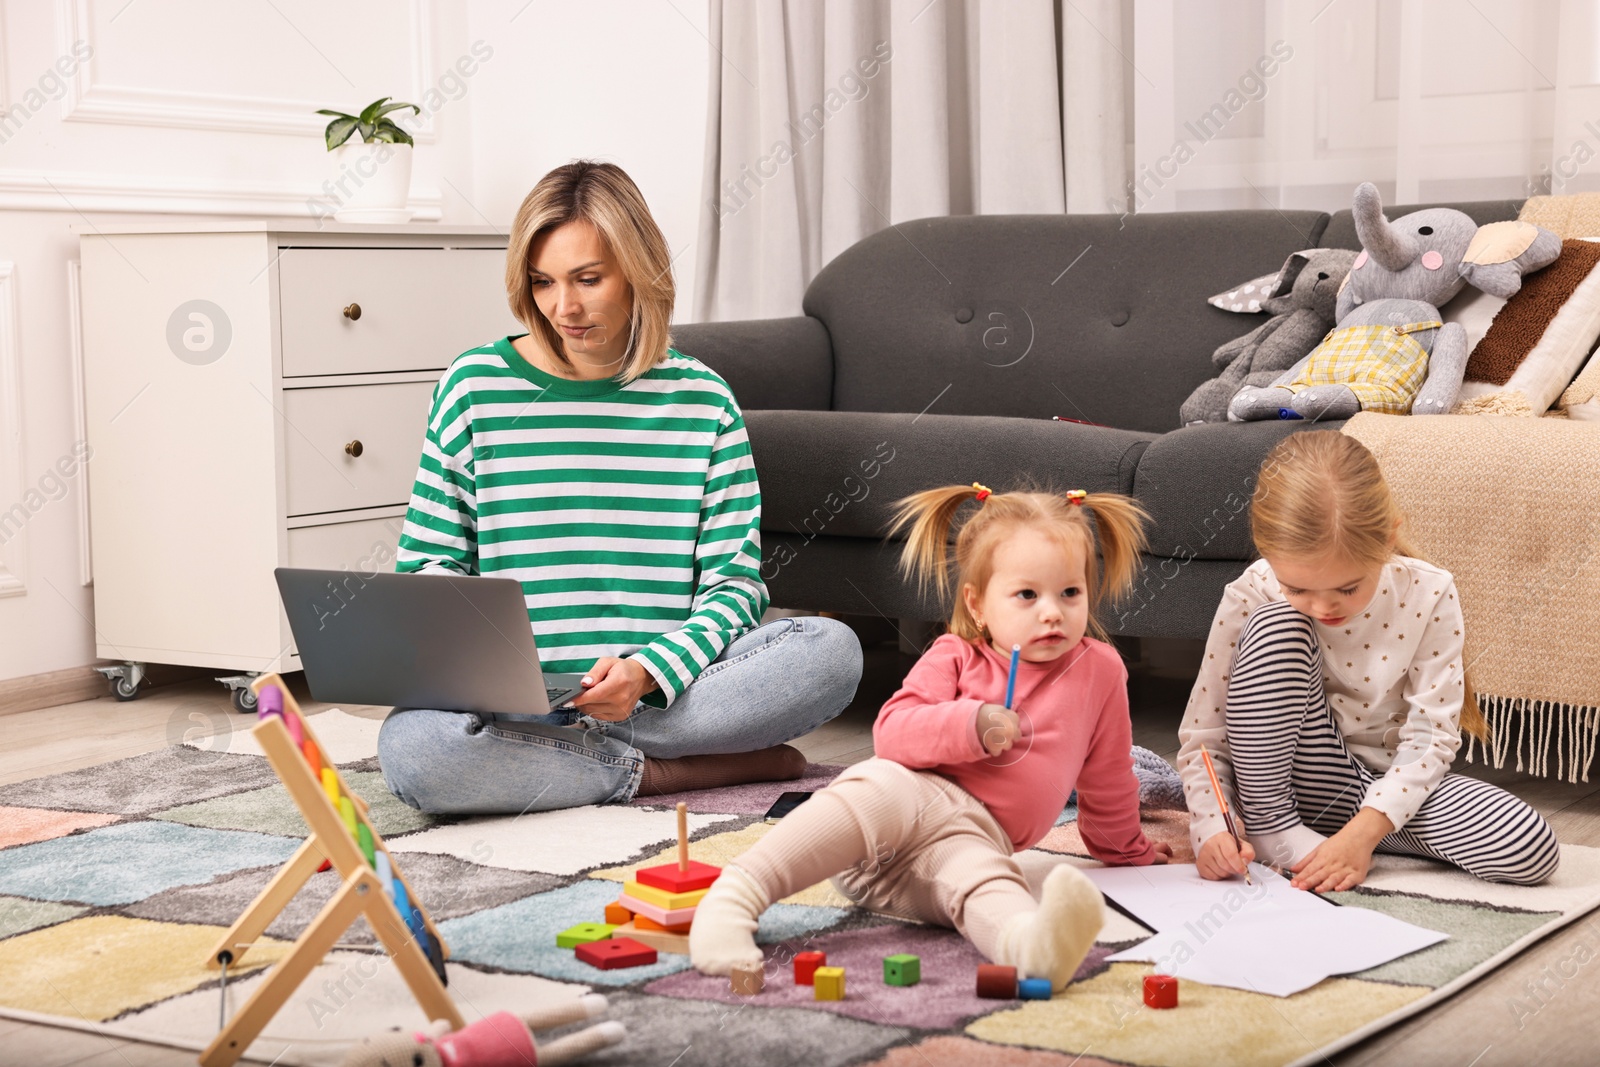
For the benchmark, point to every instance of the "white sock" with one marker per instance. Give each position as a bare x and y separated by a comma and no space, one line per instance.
1052,941
723,935
1285,848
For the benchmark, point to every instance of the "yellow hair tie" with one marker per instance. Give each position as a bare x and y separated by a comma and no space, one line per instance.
1076,496
984,492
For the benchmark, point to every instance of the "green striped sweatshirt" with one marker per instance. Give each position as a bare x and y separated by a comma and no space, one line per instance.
630,513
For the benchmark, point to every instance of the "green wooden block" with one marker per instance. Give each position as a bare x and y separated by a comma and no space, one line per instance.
583,933
903,969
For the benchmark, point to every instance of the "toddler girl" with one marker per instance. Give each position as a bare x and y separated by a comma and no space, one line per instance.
927,828
1333,694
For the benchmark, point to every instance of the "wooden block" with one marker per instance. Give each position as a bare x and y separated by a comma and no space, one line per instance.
747,981
616,914
668,878
1161,991
573,936
828,983
661,898
614,953
656,939
806,964
904,969
661,915
996,982
1035,989
644,922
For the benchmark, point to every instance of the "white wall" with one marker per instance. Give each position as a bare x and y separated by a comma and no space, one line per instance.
192,108
622,81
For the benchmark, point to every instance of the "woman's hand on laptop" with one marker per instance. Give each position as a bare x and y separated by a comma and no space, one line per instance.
612,687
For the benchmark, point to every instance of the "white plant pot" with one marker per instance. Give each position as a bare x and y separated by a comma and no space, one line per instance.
371,182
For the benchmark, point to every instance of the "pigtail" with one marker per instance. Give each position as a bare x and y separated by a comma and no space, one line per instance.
930,514
1119,528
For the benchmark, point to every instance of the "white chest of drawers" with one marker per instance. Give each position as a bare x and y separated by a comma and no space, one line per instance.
256,397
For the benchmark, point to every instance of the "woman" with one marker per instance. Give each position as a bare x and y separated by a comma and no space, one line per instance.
611,475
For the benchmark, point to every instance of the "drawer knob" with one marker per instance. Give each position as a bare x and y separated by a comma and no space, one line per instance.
352,311
353,449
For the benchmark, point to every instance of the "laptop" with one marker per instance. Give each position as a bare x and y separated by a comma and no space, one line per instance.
445,641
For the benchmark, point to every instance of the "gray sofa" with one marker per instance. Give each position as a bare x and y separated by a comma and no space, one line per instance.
938,350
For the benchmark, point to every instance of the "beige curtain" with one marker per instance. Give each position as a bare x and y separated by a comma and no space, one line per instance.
832,119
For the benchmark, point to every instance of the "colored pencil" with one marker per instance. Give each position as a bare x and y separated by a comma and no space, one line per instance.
1222,801
1011,679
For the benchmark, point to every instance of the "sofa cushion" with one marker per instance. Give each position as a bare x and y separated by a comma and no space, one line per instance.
768,363
1196,482
839,473
1086,316
1341,230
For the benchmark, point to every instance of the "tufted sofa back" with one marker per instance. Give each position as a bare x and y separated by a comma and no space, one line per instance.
1084,316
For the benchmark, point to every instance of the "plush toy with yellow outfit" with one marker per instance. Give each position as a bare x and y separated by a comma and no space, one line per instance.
1390,350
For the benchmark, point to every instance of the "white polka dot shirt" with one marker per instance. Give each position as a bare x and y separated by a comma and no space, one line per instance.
1392,674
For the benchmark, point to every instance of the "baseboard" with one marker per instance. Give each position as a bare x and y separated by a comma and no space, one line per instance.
47,690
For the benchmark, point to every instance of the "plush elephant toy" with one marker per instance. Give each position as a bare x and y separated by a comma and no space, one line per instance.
498,1040
1390,351
1302,303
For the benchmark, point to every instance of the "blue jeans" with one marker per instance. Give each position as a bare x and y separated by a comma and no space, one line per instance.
771,684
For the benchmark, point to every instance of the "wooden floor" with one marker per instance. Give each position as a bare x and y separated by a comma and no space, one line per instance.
1500,1020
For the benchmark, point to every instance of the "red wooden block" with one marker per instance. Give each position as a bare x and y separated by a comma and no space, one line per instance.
615,952
1161,991
996,982
668,877
616,914
805,967
644,922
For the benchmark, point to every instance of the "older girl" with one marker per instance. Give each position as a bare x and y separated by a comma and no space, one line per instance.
611,475
1333,693
926,829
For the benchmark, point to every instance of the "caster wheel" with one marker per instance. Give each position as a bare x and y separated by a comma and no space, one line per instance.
125,688
244,700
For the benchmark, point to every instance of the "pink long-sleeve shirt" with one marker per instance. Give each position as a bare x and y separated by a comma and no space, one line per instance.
1075,734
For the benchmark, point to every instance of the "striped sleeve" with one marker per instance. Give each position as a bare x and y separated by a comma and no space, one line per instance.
730,595
441,525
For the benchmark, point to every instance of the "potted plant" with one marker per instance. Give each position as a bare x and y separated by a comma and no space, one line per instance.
372,177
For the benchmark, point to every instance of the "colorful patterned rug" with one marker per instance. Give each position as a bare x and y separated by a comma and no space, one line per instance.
116,880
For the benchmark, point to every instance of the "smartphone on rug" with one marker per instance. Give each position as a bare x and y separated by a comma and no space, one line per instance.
785,804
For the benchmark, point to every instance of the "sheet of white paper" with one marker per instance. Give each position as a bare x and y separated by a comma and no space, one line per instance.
1282,954
1169,895
1277,940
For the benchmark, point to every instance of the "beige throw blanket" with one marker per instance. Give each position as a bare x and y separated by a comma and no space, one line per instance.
1511,507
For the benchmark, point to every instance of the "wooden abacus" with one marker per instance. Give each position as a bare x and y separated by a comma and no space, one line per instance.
342,835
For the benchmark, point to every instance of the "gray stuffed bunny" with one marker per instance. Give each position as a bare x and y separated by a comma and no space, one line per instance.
1390,351
1302,303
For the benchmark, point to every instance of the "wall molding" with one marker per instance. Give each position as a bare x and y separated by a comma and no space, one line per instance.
12,477
88,101
31,190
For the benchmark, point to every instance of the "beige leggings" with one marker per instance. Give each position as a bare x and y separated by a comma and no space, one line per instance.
905,843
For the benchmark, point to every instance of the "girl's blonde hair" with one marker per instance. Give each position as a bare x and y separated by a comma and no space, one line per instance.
1321,493
1118,521
603,195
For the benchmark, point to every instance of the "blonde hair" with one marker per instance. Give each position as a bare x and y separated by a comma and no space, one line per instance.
1321,493
1118,520
603,195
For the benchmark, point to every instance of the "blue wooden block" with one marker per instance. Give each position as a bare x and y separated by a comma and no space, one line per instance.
1034,989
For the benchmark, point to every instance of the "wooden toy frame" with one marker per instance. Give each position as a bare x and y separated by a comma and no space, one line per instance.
361,894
